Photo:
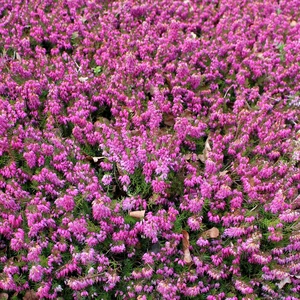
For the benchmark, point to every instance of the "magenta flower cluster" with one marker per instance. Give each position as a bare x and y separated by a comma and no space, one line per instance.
150,149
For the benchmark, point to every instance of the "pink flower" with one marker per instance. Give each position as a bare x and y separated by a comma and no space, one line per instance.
100,211
117,248
66,202
36,273
234,232
107,179
243,287
194,222
17,242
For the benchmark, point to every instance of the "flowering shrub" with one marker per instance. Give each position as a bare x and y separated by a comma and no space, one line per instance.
149,149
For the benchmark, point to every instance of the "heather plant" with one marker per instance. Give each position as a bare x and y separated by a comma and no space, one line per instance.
149,150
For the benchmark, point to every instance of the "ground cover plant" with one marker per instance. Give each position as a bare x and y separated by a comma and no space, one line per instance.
149,149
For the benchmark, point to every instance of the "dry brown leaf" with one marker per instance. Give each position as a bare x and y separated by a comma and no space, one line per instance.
293,23
207,148
260,55
296,203
222,173
138,214
18,57
188,156
211,233
87,157
187,258
188,115
96,158
185,239
152,90
283,282
120,171
296,227
103,120
83,79
252,182
3,296
168,119
203,157
30,295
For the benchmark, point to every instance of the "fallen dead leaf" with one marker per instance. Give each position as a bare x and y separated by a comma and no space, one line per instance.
120,171
185,239
3,296
203,157
211,233
207,147
293,23
222,173
138,214
283,282
30,295
18,57
188,156
187,258
95,158
83,79
168,119
296,203
152,90
103,120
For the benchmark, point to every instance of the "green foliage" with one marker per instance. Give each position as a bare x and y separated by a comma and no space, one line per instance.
249,270
43,95
82,207
138,185
11,52
90,150
33,43
180,222
93,227
19,279
101,113
265,221
66,293
199,145
179,269
30,186
177,183
130,220
75,39
43,261
104,296
4,159
97,70
43,121
127,267
280,47
66,130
